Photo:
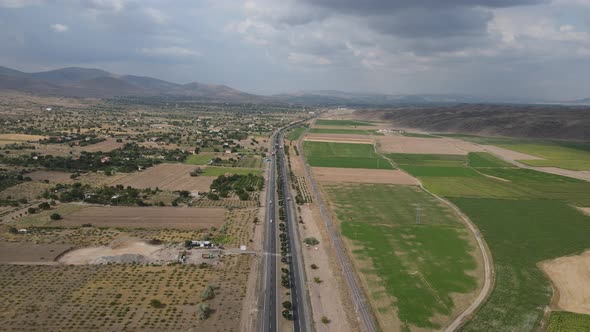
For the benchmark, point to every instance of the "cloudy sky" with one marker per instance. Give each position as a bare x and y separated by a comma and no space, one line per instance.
522,48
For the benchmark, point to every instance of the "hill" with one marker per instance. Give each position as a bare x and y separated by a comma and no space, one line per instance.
96,83
534,121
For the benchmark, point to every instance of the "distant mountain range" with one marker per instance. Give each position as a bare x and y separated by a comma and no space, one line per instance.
96,83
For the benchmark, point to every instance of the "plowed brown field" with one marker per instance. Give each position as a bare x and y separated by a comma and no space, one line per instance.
167,177
357,175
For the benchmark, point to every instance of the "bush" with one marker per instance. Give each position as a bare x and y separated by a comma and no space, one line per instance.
44,206
55,216
317,280
203,311
155,303
31,210
287,305
12,230
311,241
213,196
208,293
313,266
244,196
325,320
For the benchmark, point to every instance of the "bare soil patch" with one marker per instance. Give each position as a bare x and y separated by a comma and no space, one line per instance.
339,138
356,175
571,278
19,138
28,190
418,145
582,175
509,154
51,176
585,210
167,177
148,217
30,253
105,146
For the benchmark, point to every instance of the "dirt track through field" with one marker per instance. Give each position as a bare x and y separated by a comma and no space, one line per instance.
418,145
509,154
571,276
148,217
357,175
167,177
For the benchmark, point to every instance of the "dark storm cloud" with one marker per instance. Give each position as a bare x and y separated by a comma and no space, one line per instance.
380,7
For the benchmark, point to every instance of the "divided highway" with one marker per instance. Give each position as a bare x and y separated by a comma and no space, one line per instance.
300,304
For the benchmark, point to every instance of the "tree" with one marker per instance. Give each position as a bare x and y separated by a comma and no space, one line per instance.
55,216
31,210
12,230
287,305
203,311
44,206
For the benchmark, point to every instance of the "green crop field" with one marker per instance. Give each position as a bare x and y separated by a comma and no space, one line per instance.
343,131
250,162
525,216
347,123
418,135
198,159
562,321
419,265
345,155
484,159
568,155
521,233
217,171
295,133
446,160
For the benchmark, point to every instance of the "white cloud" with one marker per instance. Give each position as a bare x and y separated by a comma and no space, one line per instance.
57,27
307,59
155,15
172,51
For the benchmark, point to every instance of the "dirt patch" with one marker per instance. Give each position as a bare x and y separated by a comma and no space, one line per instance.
356,175
585,210
147,217
571,278
509,154
418,145
167,177
51,176
105,146
28,190
338,138
30,253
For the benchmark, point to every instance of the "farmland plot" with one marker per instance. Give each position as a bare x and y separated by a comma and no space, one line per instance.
344,155
167,177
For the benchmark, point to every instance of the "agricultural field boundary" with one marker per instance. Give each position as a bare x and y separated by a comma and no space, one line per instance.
489,275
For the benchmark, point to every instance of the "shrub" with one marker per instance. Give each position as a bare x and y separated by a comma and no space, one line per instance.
317,280
311,241
208,293
287,305
325,320
55,216
31,210
313,266
44,206
203,311
155,303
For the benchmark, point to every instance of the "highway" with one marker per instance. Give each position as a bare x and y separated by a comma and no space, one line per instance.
300,304
270,317
362,307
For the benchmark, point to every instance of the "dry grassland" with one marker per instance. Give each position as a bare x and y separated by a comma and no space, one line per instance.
418,145
357,175
166,177
105,146
509,154
571,279
148,217
28,190
51,176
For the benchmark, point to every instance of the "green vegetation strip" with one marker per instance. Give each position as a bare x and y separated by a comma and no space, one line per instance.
198,159
217,171
343,131
348,123
419,262
525,216
345,155
418,135
295,133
